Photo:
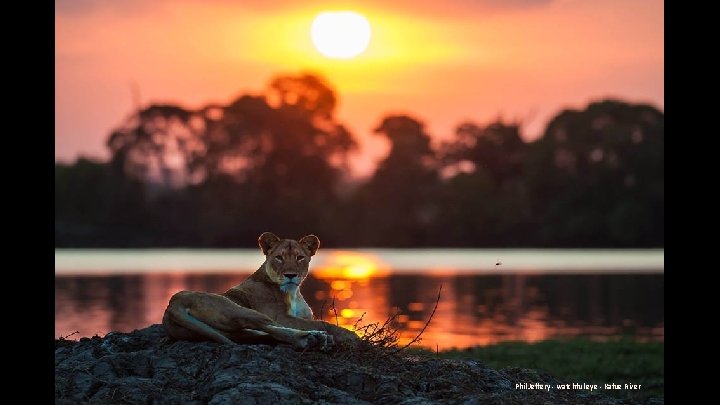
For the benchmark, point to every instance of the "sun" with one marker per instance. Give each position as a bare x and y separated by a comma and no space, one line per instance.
340,34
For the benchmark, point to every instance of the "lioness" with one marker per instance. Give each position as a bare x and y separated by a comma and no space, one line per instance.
267,306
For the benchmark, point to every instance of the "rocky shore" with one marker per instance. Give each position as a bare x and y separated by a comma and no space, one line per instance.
144,367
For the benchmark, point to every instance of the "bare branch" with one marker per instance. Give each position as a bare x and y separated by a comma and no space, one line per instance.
335,311
65,337
355,325
417,338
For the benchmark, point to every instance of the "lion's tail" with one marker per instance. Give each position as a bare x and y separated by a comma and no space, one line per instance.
181,317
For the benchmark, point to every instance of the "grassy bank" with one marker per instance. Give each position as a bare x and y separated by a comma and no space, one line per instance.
582,361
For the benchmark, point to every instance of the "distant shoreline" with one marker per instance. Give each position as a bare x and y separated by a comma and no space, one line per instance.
430,261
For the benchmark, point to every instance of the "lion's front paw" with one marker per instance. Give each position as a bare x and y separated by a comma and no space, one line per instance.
314,339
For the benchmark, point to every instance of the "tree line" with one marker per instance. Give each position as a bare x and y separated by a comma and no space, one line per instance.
220,175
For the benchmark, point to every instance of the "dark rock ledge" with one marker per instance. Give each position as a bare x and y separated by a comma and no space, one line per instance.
144,367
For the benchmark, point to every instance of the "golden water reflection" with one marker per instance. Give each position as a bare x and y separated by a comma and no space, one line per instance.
473,309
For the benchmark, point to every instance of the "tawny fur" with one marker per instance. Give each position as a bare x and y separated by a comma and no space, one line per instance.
268,306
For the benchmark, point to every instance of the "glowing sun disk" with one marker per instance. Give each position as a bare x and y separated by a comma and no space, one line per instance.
340,34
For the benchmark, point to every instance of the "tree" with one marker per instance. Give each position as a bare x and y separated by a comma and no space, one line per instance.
158,145
307,92
78,190
398,202
484,200
497,149
95,207
222,174
233,170
596,177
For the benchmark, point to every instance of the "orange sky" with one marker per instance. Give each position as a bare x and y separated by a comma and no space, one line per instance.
442,62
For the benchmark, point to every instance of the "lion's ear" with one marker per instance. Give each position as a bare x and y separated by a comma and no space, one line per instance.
311,243
267,241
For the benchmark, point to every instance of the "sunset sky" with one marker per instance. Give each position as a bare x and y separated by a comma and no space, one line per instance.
441,62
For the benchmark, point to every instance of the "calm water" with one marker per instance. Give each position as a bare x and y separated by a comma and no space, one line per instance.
487,296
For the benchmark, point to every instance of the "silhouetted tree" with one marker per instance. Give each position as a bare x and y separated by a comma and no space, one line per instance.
307,92
222,174
497,149
596,177
484,200
80,190
399,204
299,159
95,207
157,145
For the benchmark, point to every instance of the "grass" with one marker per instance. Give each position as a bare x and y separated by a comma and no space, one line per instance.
582,361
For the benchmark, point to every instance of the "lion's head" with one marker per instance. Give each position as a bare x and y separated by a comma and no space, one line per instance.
287,260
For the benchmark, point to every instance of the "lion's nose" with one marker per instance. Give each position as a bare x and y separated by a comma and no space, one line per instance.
290,276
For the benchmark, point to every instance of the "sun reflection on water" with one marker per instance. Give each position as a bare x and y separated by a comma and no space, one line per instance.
347,265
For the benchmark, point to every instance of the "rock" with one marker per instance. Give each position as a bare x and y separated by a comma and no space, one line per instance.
144,366
257,394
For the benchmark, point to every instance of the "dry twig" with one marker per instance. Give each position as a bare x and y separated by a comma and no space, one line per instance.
65,337
381,336
335,311
417,338
355,325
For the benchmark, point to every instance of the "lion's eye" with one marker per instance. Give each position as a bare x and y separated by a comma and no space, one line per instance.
279,258
300,258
